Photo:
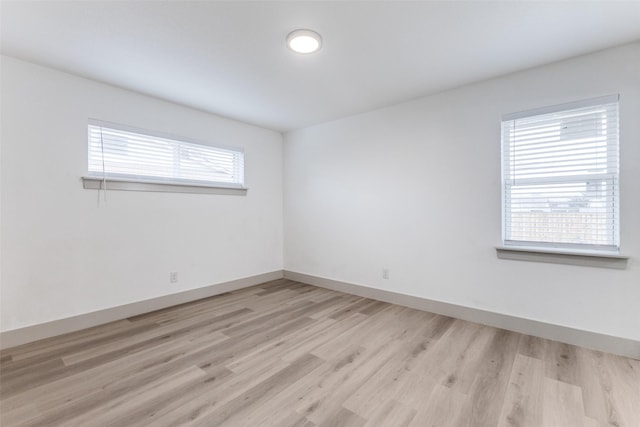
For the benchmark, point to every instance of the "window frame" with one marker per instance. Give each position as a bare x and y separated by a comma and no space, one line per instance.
557,247
99,180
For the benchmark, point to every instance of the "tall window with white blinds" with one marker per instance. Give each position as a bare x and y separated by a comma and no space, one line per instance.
560,176
120,152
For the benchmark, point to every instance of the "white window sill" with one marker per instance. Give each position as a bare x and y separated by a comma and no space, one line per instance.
95,183
558,256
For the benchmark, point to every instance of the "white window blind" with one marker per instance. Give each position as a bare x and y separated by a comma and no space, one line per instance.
560,176
120,152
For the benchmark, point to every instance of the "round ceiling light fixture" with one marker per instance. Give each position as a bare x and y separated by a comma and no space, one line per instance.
304,41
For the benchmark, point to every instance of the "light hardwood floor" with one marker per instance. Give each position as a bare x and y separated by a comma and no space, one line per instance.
288,354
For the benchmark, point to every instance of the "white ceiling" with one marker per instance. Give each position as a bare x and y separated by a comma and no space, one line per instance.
230,58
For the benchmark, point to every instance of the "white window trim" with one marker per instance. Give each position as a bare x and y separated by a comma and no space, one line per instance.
563,256
109,184
98,181
551,252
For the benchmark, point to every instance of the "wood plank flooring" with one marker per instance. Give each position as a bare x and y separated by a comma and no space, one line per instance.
289,354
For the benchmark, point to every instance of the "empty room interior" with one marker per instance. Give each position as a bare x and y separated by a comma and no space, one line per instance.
349,213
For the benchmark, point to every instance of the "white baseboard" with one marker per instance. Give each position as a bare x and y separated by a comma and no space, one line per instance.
40,331
597,341
594,340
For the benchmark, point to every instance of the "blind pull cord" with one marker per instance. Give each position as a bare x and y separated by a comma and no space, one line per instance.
104,172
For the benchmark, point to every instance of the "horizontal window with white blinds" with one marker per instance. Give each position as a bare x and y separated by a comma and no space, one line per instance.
560,176
120,152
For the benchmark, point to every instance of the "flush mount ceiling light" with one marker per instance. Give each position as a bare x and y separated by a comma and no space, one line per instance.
304,41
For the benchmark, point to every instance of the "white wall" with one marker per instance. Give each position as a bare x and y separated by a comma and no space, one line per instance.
415,188
64,255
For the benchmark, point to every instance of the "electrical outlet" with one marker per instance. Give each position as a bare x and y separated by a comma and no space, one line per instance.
385,273
173,277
